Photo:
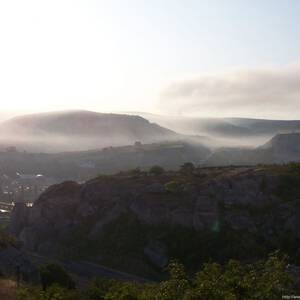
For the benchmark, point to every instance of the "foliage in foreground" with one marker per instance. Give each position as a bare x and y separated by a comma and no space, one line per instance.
53,274
7,240
262,280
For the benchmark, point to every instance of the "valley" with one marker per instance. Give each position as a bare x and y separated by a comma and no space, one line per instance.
128,210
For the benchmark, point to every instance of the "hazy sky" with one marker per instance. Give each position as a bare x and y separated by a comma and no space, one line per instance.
214,57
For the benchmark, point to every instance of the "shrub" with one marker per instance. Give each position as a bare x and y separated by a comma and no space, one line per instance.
263,280
187,168
294,168
263,184
136,171
7,240
54,274
55,292
173,187
289,187
156,170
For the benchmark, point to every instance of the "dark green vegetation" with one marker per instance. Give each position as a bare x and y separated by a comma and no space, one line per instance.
263,280
121,244
7,240
156,170
289,187
54,274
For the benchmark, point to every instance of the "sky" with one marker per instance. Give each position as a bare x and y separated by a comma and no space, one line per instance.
181,57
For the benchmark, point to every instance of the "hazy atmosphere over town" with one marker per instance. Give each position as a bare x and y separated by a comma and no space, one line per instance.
149,149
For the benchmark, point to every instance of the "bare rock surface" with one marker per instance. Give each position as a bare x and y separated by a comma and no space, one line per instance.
243,199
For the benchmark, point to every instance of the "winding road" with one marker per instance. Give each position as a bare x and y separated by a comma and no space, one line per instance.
84,270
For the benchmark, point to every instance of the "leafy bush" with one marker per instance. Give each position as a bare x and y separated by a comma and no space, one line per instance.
156,170
7,240
187,168
54,274
263,184
294,168
178,284
173,187
289,185
54,292
136,171
263,280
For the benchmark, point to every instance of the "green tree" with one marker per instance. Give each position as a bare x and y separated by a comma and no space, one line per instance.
177,286
54,274
263,280
156,170
173,187
187,168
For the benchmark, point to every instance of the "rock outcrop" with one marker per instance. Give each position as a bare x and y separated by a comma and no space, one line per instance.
243,199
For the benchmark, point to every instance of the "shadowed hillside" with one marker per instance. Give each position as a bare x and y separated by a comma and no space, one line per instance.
138,221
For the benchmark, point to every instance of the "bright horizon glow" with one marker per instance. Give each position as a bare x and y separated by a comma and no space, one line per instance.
120,55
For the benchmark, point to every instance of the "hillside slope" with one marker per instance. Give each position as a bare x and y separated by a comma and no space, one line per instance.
266,127
229,131
282,148
79,130
82,165
285,147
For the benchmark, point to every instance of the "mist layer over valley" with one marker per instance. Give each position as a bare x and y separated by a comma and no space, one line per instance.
108,143
86,130
103,193
79,130
238,132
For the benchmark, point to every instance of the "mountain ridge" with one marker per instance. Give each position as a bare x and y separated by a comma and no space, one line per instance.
80,130
248,131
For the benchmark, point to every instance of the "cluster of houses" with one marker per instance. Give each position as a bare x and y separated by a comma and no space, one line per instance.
23,187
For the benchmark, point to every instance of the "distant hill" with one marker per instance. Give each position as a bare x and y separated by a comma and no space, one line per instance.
199,126
282,148
85,130
285,147
229,131
266,127
79,130
81,165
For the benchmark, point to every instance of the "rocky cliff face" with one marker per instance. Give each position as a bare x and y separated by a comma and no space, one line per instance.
241,199
103,200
